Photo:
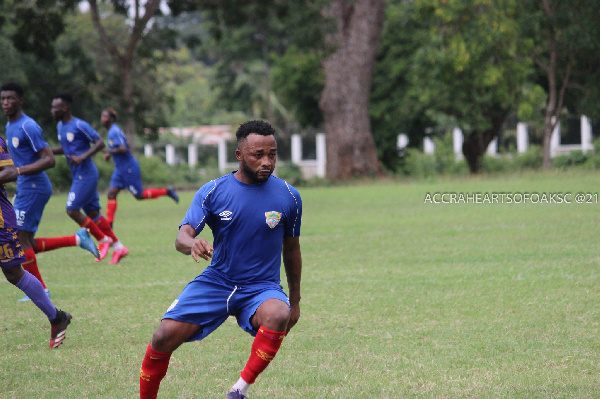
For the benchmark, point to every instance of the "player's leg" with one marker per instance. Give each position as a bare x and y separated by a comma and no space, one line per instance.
198,310
116,183
26,282
265,316
30,264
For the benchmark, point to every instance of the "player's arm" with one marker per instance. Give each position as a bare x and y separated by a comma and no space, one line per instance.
8,172
98,145
46,161
187,243
58,151
292,262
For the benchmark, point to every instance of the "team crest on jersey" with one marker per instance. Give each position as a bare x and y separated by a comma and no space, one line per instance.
273,218
15,142
70,136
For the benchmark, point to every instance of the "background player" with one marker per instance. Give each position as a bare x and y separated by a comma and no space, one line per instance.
12,256
79,141
127,169
32,156
254,217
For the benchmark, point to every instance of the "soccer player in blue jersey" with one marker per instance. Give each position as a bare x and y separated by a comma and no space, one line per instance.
79,142
32,156
127,172
12,255
255,218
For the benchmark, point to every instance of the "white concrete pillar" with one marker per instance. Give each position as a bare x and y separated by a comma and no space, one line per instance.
457,140
492,148
555,139
192,155
522,137
587,143
148,150
296,149
222,156
321,155
401,141
428,145
170,154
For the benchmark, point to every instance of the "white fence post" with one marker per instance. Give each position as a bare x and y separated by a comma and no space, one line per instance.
192,155
555,139
522,137
148,151
587,143
321,155
296,149
457,140
170,154
428,145
222,156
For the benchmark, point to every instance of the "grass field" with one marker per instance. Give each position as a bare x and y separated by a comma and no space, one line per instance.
401,298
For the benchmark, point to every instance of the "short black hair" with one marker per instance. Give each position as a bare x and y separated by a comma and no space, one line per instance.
66,97
257,127
12,86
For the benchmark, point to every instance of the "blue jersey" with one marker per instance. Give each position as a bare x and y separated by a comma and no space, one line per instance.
248,222
24,139
76,137
116,137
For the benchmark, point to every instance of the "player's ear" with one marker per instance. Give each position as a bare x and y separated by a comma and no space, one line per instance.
238,154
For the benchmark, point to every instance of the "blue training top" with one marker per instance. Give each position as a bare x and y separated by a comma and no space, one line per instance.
115,138
75,138
248,222
24,140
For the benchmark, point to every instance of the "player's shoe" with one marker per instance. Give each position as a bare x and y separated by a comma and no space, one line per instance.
172,194
103,247
86,242
118,255
236,395
26,298
59,328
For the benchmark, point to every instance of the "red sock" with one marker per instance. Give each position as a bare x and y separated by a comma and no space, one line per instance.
111,209
154,368
150,193
264,348
50,244
88,223
105,227
31,266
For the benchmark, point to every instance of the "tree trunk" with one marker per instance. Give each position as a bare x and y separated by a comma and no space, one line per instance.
476,143
351,149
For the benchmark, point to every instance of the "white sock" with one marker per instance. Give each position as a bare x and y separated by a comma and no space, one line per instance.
241,386
117,246
77,240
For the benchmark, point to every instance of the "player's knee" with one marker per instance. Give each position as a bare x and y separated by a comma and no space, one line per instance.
13,275
276,318
162,341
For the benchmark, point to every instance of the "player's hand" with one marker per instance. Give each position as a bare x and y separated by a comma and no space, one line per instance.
106,156
294,316
202,249
76,159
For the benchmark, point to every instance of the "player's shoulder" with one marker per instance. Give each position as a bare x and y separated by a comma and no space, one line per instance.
285,186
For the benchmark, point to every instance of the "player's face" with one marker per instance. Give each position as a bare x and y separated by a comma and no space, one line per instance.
58,109
257,157
105,119
11,103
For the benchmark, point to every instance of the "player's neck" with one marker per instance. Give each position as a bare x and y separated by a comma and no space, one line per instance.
16,116
67,118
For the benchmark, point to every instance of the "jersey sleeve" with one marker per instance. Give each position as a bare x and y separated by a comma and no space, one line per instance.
116,135
199,210
292,227
89,131
5,158
33,132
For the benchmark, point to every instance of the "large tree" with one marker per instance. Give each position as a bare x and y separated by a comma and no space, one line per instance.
348,78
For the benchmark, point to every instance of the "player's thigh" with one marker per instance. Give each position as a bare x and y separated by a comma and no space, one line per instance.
203,303
29,207
83,195
11,253
250,299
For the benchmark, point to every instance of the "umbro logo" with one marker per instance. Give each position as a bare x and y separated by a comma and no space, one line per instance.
226,215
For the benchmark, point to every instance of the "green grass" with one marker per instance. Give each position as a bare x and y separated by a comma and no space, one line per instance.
400,299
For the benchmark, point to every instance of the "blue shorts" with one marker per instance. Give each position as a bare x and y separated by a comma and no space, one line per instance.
129,178
84,195
29,207
208,301
11,253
